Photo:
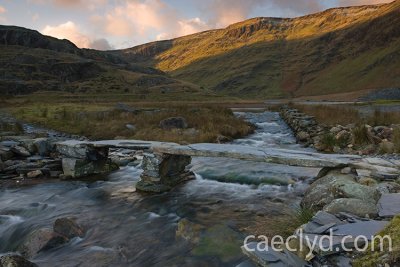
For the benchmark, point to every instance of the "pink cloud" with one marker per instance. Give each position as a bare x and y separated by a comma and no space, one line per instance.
70,31
2,10
362,2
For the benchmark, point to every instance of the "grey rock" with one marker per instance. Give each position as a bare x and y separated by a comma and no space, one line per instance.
9,144
336,185
39,240
125,108
367,228
355,206
76,168
173,123
20,151
389,205
130,127
34,174
42,146
5,154
68,228
269,257
15,261
302,136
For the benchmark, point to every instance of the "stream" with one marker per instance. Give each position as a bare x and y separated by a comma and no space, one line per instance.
228,200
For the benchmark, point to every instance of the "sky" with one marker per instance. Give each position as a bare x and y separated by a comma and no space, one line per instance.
116,24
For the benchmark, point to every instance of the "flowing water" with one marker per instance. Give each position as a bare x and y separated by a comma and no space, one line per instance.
228,200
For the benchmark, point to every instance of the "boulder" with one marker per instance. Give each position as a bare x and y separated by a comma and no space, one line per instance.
15,261
80,168
42,146
5,154
173,123
336,185
386,147
130,127
34,174
354,206
303,136
68,228
20,151
40,240
388,205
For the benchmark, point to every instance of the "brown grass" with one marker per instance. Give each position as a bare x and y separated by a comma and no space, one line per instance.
330,115
206,122
338,114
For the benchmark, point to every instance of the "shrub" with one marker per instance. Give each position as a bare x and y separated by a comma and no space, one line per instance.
328,141
360,135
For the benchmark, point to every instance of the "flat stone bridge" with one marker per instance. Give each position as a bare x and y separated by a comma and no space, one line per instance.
164,164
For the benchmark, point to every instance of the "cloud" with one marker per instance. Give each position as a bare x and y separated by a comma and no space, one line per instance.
68,31
362,2
101,44
86,4
2,10
71,32
145,19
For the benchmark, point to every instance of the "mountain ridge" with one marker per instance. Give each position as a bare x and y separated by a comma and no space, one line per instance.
335,51
260,58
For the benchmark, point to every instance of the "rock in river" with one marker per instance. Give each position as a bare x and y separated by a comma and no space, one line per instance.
68,227
15,261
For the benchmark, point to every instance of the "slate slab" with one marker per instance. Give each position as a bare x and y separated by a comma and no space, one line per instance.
389,205
367,229
272,258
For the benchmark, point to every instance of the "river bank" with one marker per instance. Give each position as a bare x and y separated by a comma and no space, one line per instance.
201,222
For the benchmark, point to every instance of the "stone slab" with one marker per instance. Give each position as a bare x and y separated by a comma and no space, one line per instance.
389,205
367,229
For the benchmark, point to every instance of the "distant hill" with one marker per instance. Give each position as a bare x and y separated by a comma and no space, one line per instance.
30,62
340,50
336,51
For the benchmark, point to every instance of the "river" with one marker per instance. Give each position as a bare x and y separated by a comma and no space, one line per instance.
228,200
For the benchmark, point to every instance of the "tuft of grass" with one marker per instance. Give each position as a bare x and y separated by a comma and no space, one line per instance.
360,135
328,141
384,257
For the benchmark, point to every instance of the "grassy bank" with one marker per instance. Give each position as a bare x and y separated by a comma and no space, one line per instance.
103,121
344,115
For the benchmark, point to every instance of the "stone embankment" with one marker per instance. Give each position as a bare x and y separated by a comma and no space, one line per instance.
350,139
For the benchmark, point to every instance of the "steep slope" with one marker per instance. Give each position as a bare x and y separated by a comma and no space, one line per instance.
338,50
30,61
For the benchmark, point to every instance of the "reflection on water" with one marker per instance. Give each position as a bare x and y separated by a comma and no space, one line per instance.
125,228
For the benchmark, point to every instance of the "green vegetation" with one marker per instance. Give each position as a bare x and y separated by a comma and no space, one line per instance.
385,257
206,122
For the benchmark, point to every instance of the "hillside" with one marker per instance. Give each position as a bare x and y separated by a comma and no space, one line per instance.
30,62
335,51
